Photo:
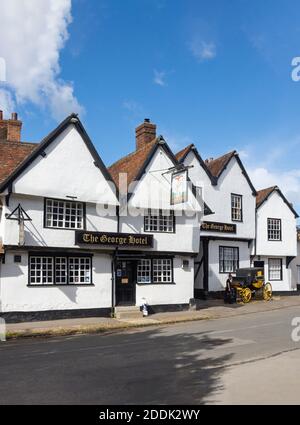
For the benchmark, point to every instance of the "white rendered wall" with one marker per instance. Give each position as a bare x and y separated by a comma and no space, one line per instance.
275,207
217,281
67,170
179,293
16,296
37,235
286,284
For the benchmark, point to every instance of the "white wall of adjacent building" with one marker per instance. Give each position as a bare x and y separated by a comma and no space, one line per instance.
280,250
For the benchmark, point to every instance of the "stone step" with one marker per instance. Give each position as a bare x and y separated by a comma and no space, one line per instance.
128,312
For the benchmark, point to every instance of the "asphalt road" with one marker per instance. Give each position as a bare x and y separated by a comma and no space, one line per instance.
244,359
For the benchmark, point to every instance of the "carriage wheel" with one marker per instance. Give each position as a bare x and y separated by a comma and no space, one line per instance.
246,295
267,291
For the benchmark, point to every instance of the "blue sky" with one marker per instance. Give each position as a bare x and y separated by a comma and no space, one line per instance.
216,73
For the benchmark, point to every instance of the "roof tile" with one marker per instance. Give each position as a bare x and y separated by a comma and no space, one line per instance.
12,154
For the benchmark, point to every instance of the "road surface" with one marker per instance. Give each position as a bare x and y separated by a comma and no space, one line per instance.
245,359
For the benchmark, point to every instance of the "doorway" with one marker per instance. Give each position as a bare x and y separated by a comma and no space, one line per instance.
125,282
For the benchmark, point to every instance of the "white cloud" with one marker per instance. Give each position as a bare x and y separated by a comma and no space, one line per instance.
159,78
203,50
287,181
32,34
7,104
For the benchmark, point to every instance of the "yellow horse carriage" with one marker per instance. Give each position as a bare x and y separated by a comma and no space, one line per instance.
250,282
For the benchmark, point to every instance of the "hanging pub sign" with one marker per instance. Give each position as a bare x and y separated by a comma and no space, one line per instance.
179,187
113,239
212,226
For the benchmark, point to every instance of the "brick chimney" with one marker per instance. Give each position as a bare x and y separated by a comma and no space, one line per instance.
10,129
144,133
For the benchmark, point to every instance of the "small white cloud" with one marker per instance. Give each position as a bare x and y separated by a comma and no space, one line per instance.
159,78
7,104
287,181
203,50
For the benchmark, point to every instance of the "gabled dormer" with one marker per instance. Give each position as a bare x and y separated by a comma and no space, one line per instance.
60,183
149,171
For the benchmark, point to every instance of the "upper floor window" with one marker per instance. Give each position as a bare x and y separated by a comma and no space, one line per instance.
64,214
159,221
236,207
274,229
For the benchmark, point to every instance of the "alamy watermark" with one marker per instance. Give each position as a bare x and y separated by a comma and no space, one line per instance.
2,69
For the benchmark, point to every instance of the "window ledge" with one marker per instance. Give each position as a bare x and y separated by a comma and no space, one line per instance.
64,285
156,283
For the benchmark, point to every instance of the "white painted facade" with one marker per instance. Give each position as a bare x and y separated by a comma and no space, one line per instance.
66,171
285,249
153,191
218,198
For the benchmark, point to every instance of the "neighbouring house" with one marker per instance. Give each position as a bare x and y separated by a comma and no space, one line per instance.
275,246
228,229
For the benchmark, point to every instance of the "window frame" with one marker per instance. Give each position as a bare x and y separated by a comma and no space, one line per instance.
65,200
172,214
54,256
281,270
242,216
152,282
280,235
238,258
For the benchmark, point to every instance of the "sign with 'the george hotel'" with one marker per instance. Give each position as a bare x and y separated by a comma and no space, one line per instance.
113,239
212,226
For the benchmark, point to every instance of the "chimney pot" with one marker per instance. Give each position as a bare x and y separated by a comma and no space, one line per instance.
14,116
145,133
1,115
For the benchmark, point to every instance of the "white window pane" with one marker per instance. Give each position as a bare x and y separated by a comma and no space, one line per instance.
159,221
64,214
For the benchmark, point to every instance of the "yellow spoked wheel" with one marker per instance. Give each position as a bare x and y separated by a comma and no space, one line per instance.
267,291
246,295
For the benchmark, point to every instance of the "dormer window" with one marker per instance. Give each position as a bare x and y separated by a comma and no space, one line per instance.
236,207
159,221
64,214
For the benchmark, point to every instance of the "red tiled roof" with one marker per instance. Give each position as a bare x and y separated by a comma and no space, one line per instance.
12,154
183,152
131,164
263,194
216,166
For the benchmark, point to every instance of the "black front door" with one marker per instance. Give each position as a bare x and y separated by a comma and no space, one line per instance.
125,282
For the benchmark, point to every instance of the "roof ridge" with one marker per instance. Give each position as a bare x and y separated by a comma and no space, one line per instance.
268,188
133,153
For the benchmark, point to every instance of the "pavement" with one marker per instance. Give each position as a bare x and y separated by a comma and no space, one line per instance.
238,359
203,310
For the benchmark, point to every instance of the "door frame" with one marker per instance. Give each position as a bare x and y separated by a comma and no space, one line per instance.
132,302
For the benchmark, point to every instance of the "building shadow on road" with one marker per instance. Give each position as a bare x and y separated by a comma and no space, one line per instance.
153,366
